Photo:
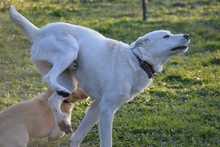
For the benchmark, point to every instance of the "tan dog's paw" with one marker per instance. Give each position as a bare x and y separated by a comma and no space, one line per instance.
65,127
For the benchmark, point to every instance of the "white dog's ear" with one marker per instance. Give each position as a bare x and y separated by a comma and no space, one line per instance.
140,42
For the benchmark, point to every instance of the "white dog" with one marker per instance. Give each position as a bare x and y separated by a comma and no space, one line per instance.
110,71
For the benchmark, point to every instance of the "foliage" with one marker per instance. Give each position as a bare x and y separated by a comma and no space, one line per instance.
181,107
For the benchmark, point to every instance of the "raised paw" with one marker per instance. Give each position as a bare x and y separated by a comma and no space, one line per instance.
63,93
65,127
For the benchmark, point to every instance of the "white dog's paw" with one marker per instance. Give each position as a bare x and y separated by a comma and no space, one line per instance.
55,86
63,92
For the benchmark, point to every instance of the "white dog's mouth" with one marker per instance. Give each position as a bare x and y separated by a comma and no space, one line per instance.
183,47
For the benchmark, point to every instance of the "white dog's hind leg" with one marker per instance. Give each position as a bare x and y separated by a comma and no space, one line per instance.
58,67
66,80
88,122
60,118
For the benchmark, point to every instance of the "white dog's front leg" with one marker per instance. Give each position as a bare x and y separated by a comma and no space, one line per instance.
106,116
60,118
105,128
88,122
107,108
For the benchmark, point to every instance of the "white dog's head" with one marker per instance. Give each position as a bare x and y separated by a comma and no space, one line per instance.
157,47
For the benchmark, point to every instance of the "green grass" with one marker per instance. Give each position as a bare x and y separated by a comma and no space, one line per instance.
180,108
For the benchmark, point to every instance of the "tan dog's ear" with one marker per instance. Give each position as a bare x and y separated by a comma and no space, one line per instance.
140,42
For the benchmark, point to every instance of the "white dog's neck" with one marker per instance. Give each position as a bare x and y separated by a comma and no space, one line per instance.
140,48
145,66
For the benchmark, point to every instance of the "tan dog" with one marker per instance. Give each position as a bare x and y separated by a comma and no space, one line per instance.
34,119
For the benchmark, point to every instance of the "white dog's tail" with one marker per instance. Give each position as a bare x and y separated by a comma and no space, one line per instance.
29,29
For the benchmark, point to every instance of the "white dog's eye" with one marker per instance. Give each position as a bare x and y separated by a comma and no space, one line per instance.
166,36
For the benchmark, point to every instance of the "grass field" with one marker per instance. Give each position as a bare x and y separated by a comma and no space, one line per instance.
181,107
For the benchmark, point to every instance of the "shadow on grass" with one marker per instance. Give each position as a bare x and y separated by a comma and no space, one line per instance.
215,61
180,79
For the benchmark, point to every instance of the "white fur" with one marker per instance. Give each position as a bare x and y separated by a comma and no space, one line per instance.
107,69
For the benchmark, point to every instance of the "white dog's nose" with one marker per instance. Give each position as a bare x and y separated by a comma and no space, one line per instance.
186,36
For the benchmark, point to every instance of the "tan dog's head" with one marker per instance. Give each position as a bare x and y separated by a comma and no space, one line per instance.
157,47
67,104
76,95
